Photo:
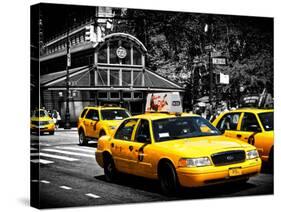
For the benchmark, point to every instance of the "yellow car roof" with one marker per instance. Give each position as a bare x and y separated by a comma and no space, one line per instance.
105,107
155,116
252,110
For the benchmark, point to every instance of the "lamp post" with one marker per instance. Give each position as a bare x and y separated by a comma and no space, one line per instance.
68,64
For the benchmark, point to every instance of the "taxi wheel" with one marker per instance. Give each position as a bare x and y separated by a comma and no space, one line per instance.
52,132
102,133
270,160
109,169
168,179
82,139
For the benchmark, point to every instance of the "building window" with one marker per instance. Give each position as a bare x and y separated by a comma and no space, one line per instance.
138,95
102,77
127,59
137,80
102,95
126,95
102,57
114,95
136,57
113,56
114,77
126,78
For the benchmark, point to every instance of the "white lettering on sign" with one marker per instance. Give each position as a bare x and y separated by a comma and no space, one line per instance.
219,61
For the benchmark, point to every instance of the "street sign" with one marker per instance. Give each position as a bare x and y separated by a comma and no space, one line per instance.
219,60
208,47
215,54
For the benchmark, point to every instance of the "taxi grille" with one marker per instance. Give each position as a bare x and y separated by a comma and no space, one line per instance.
229,157
40,123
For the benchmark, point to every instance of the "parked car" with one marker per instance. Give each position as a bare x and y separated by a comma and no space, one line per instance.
251,125
41,122
95,122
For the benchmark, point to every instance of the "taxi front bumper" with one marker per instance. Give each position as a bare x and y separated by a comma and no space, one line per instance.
43,128
210,175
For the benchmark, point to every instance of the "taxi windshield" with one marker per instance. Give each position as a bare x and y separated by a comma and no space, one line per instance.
41,113
182,127
267,120
114,114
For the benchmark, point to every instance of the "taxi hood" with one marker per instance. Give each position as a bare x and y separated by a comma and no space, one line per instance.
202,146
113,123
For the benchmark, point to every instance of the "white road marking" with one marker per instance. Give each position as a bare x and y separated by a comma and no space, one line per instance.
56,156
92,195
68,153
36,144
33,149
44,181
65,187
77,148
41,161
35,181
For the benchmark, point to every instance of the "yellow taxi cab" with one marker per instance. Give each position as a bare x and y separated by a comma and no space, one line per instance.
95,122
41,122
179,149
251,125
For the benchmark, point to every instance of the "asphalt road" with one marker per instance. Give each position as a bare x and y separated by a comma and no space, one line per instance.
69,176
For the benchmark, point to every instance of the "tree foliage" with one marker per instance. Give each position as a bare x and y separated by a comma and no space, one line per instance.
174,39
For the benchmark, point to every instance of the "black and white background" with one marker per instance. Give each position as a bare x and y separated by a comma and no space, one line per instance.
15,103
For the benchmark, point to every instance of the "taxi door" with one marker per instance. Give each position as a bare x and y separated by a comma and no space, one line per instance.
141,150
229,124
249,129
121,146
90,122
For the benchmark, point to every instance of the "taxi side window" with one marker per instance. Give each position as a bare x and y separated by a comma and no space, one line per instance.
125,131
229,122
83,113
143,133
92,114
250,123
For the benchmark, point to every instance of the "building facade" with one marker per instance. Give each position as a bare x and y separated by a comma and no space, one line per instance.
112,71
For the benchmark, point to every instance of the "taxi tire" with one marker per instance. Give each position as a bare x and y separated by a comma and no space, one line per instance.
270,160
168,179
52,132
110,172
102,133
82,139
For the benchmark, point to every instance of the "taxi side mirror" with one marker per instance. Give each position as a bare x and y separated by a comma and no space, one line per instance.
142,139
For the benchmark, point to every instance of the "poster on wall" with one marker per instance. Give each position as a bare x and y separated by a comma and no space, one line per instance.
101,131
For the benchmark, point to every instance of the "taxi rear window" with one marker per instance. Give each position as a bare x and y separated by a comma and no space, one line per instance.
182,127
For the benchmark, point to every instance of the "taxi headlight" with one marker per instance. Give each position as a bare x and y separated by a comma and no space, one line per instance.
194,162
51,121
252,154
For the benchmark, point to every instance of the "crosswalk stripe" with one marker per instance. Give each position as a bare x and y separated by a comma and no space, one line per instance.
56,156
65,187
33,149
36,144
92,195
69,153
45,181
41,161
77,148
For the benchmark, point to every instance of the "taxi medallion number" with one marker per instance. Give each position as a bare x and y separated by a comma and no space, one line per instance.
235,172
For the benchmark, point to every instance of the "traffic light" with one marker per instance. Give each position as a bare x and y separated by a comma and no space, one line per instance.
90,34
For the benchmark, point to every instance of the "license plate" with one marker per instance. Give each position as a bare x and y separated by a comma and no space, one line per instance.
235,172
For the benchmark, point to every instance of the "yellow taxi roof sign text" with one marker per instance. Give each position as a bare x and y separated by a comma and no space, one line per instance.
164,102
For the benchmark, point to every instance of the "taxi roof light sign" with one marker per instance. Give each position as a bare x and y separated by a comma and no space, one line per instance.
164,102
